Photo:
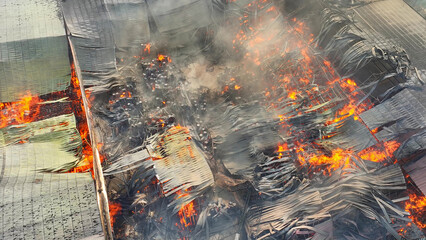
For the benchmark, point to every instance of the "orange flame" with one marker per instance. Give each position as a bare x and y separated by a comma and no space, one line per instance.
376,155
114,209
23,111
187,213
161,57
338,158
147,48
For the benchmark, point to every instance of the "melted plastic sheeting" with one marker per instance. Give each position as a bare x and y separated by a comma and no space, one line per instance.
91,34
33,49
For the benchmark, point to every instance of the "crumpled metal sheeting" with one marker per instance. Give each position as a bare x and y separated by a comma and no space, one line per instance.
411,146
240,133
183,166
280,218
90,31
399,114
348,134
178,164
128,162
358,187
341,46
60,130
276,181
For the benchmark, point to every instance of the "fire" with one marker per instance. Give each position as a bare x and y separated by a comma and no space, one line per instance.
114,209
282,148
416,206
23,111
338,158
161,57
80,113
376,155
237,87
147,48
126,94
187,215
292,95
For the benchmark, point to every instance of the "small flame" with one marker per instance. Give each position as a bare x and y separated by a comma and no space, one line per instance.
236,87
147,48
161,57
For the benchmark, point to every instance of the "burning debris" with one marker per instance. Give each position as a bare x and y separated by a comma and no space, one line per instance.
272,127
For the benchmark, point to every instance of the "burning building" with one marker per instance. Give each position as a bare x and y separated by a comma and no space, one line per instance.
213,119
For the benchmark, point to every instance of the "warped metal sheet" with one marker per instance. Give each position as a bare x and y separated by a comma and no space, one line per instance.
417,170
33,49
90,31
400,113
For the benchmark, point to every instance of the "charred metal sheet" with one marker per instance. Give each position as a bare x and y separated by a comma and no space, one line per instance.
240,134
351,134
341,197
33,49
91,33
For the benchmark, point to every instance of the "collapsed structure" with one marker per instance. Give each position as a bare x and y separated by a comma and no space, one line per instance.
254,119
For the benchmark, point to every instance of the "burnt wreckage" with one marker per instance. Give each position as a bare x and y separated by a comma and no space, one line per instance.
238,119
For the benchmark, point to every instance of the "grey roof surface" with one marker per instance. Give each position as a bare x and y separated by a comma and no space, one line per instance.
39,205
33,49
393,22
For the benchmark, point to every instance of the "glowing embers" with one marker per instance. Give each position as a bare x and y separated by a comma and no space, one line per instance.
416,206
